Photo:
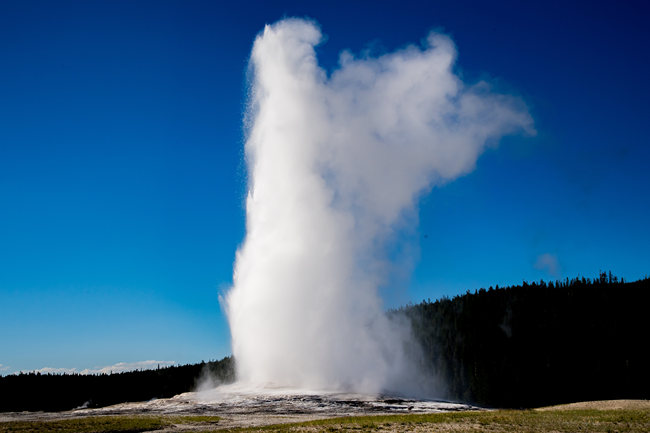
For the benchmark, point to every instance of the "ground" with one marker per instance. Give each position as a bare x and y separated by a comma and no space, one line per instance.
601,416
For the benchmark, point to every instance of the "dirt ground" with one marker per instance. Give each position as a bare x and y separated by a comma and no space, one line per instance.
602,405
241,408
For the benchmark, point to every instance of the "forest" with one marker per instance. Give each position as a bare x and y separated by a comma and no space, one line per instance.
539,344
56,392
522,346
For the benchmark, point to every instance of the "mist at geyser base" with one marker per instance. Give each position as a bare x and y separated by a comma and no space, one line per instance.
335,161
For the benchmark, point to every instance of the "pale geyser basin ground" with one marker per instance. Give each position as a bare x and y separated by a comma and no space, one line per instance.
241,406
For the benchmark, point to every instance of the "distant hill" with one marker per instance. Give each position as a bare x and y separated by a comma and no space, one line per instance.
539,344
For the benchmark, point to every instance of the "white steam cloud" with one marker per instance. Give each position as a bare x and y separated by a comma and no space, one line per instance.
334,164
549,263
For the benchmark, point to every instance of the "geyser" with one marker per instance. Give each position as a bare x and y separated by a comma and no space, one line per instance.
335,161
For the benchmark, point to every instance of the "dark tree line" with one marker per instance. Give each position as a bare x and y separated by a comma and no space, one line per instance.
55,392
540,343
522,346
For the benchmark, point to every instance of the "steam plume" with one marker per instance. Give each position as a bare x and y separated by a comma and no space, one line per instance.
334,163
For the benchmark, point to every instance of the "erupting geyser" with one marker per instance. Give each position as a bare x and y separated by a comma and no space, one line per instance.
334,163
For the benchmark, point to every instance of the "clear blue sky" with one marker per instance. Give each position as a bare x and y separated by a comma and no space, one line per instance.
122,179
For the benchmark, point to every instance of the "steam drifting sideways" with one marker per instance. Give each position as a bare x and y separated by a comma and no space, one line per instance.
335,161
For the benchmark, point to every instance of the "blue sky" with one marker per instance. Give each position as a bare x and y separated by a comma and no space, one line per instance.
122,178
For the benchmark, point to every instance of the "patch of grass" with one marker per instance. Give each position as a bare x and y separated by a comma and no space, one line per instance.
502,421
103,424
125,424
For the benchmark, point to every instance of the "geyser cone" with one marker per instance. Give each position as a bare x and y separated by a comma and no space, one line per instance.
334,162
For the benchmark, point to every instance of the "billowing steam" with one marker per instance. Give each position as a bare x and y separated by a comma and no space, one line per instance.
334,163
